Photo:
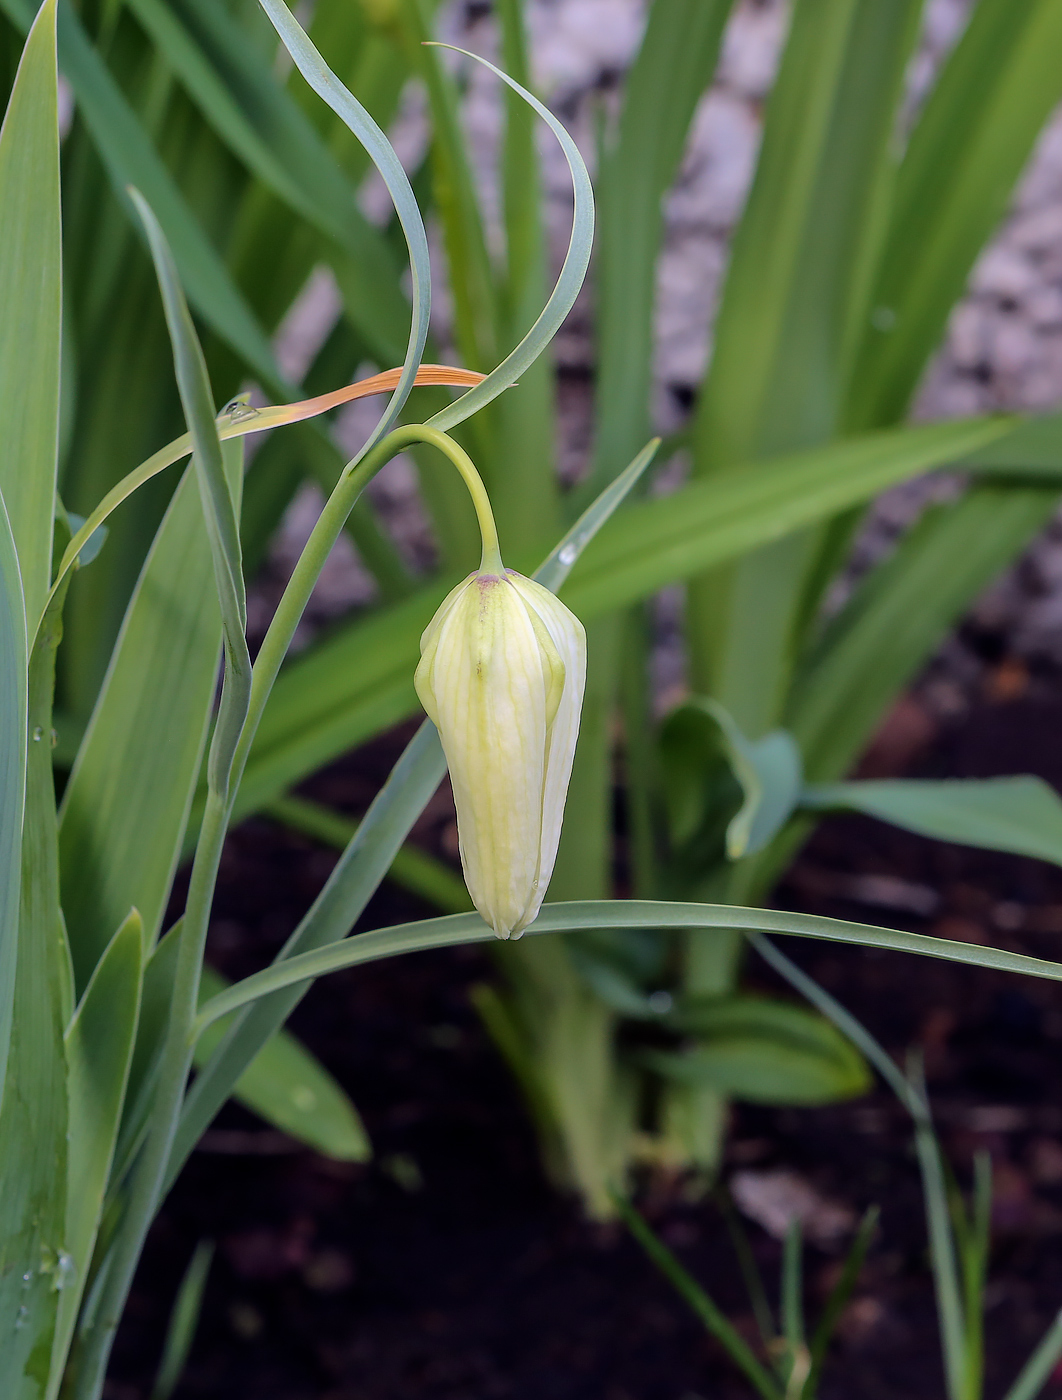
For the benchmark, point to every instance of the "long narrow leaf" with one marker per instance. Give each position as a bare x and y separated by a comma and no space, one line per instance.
219,508
130,159
13,707
1022,815
673,66
963,158
99,1047
31,298
569,280
239,95
325,83
34,1263
127,800
456,929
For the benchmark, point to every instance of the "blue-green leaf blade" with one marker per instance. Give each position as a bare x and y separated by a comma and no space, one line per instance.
31,298
99,1050
288,1087
1022,815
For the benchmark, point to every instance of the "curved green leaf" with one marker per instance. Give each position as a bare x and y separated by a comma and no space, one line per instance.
287,1087
763,1050
456,929
325,83
1022,814
569,281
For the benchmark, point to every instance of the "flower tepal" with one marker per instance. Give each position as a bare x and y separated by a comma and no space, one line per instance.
502,673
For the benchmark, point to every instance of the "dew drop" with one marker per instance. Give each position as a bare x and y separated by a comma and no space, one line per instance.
55,737
568,554
21,1317
661,1002
38,734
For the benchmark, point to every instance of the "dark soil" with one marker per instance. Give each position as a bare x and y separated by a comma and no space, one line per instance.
448,1270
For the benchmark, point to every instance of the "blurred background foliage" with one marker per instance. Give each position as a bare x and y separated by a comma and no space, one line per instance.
857,238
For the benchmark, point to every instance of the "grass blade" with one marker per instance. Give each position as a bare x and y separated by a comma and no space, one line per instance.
184,1320
1037,1370
838,1298
953,1327
691,1291
953,1322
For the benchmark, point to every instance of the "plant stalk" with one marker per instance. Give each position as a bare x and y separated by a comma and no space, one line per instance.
150,1171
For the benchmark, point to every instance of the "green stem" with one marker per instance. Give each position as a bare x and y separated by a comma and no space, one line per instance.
149,1174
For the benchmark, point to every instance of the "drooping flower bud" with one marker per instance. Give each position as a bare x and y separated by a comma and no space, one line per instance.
502,672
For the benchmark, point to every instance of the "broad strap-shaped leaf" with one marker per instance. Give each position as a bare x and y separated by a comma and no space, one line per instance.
288,1087
13,711
31,298
33,1117
34,1263
99,1050
695,737
283,1083
130,159
993,95
793,299
1020,814
671,70
237,92
900,611
127,800
763,1051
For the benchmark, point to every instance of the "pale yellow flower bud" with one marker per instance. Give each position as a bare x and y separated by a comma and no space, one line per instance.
502,672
